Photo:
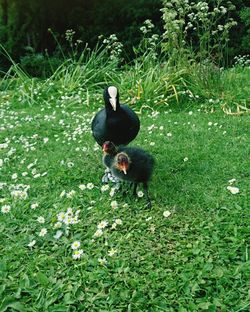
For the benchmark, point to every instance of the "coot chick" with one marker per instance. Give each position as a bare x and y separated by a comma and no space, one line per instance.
130,164
116,122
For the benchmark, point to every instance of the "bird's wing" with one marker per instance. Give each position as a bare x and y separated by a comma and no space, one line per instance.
133,118
98,126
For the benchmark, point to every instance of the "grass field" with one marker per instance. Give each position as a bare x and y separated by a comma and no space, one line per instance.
190,252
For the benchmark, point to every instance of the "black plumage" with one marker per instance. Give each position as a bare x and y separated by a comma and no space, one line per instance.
116,122
130,164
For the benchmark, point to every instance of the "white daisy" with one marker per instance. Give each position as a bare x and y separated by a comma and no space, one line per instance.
34,206
112,252
118,221
114,204
98,233
112,192
77,254
105,188
5,208
40,219
75,245
32,243
82,187
90,186
58,234
233,189
166,213
140,194
102,261
14,176
57,225
61,216
102,224
43,232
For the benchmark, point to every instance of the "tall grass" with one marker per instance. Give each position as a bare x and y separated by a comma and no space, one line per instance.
165,72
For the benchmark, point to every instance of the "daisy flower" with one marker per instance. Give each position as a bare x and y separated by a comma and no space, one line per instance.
102,261
34,206
82,187
14,176
40,219
233,189
61,216
112,252
98,233
114,204
57,225
140,194
43,232
5,208
104,188
102,224
58,234
118,221
90,186
32,243
112,192
166,213
77,254
75,245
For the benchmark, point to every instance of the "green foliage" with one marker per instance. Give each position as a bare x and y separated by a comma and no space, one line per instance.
245,17
40,65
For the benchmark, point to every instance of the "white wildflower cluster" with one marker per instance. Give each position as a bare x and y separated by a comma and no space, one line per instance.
242,61
69,34
114,47
187,21
67,218
150,41
19,191
69,194
147,26
104,225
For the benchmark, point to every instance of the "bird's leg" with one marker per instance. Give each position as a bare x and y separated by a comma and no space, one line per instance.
134,188
108,177
105,177
145,188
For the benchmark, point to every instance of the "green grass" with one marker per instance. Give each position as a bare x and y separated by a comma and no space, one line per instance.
196,259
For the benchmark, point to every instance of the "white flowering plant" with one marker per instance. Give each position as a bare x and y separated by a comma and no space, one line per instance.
198,29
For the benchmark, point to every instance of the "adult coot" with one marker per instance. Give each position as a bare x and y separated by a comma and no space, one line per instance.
116,122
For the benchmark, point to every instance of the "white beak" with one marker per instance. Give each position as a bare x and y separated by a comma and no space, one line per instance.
113,103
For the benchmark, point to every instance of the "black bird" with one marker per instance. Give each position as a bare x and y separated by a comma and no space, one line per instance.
130,164
116,122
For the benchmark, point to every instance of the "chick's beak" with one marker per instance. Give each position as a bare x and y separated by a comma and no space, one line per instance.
124,168
104,147
113,103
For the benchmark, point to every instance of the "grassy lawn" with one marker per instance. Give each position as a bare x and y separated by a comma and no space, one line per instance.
190,252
